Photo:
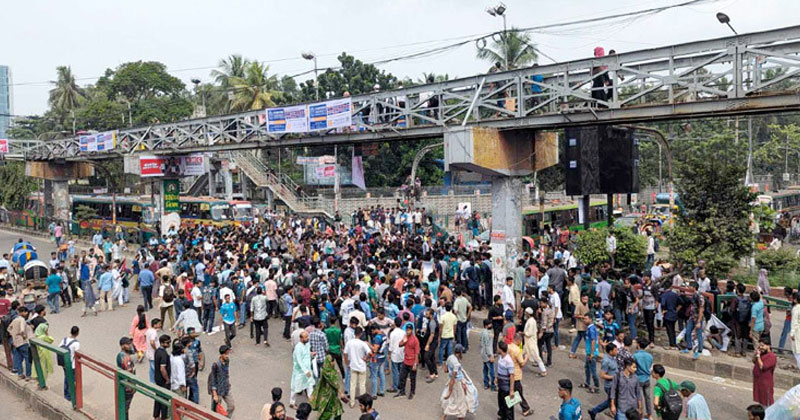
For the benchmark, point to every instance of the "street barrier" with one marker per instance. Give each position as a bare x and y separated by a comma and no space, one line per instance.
35,343
84,360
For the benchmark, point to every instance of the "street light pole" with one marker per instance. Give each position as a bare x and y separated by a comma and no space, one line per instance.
500,10
311,56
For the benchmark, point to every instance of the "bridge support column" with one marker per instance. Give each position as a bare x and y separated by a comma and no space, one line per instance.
506,236
228,178
61,200
269,198
212,190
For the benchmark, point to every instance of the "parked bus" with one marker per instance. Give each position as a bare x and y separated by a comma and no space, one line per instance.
133,215
32,214
563,213
214,211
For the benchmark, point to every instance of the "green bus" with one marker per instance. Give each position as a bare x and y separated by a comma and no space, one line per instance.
562,213
134,215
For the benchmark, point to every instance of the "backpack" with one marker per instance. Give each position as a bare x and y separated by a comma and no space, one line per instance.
671,401
169,293
282,306
743,306
65,345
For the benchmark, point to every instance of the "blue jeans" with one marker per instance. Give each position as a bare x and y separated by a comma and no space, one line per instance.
461,334
631,318
648,263
52,301
556,340
603,406
152,371
581,336
488,374
787,326
66,387
22,354
395,375
194,390
208,317
687,334
242,313
377,376
590,369
445,349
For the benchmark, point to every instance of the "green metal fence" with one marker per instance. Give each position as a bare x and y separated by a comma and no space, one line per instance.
59,353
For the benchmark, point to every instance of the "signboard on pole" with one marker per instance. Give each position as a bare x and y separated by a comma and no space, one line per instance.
327,171
316,160
330,114
172,192
3,146
289,119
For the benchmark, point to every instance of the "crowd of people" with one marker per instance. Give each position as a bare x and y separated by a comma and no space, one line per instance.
382,300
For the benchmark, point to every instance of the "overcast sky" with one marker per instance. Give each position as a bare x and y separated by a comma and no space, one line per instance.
190,37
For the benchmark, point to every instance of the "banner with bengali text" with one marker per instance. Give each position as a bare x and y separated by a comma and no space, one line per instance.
289,119
98,142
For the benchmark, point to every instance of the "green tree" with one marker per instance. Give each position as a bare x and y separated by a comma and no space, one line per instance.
513,47
590,248
233,66
256,90
780,152
66,95
15,186
353,76
715,224
85,213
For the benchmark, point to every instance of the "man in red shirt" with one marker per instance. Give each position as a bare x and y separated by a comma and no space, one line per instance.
409,368
5,304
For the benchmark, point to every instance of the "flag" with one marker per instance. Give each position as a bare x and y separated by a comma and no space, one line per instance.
358,168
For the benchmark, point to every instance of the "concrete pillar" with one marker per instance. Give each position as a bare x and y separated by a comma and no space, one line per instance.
506,236
212,190
61,200
269,198
228,178
49,209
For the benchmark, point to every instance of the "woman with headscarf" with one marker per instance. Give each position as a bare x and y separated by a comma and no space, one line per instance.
460,395
327,397
138,332
763,282
45,356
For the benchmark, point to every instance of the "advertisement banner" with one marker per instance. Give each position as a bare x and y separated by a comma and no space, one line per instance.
330,114
98,142
290,119
327,171
172,192
315,160
3,146
172,166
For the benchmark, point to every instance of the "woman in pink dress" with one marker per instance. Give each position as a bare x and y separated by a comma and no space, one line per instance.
138,330
764,363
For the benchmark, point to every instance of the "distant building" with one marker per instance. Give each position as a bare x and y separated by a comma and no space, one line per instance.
6,101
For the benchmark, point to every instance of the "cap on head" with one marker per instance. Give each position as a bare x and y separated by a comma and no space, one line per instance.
458,348
687,385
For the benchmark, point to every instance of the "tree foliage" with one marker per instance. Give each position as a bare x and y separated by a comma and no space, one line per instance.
715,226
85,213
353,76
631,249
15,186
513,47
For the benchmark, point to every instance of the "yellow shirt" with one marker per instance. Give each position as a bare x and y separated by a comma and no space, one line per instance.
516,356
448,323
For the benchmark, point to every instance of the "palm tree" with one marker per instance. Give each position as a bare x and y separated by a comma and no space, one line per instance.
512,47
66,95
233,66
428,78
256,90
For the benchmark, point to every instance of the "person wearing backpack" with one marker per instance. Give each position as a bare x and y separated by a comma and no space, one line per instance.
166,294
742,320
209,300
667,398
72,345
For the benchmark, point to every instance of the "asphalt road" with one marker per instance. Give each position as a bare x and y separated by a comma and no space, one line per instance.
256,370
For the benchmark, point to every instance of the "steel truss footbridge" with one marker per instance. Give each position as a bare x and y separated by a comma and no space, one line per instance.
743,74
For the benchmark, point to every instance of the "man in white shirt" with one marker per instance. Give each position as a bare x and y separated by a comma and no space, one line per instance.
396,353
356,353
72,344
611,246
152,344
509,302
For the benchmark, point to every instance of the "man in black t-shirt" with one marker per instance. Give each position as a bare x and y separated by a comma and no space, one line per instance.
527,302
162,372
496,315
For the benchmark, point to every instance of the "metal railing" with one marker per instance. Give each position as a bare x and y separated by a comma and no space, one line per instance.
731,75
64,354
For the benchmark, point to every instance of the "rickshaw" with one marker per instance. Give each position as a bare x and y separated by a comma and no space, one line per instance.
36,272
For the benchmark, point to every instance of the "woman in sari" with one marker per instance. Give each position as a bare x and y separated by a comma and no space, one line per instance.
138,331
45,356
328,392
460,395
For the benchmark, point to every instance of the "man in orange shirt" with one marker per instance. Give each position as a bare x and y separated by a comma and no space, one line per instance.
520,359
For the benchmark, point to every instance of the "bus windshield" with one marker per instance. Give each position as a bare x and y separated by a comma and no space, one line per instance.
243,212
221,212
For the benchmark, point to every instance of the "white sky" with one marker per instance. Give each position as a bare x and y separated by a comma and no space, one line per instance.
92,35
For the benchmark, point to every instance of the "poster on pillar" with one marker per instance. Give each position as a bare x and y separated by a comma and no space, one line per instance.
172,191
499,256
3,146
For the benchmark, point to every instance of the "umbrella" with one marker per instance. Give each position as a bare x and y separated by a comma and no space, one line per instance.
22,256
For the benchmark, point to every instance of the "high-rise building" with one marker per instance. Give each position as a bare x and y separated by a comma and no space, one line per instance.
6,101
